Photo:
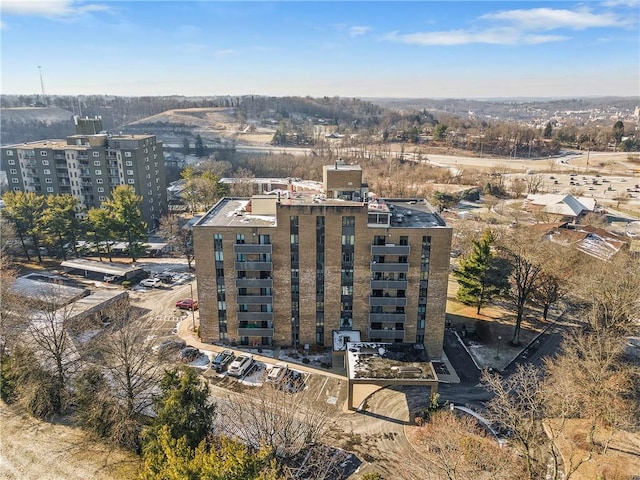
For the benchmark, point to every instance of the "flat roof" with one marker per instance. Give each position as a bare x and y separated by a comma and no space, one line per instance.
404,213
118,269
388,361
46,287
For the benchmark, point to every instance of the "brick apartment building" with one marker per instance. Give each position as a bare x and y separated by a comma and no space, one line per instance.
88,165
292,267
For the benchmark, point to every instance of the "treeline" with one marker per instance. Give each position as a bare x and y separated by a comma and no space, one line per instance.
39,223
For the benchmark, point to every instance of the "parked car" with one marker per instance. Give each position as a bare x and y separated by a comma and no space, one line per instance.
151,282
189,354
108,278
220,362
165,277
277,373
187,304
240,365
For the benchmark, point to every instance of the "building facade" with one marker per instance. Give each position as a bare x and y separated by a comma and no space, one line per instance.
292,267
89,166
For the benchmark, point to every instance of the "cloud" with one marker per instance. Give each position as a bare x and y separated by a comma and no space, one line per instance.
357,30
225,53
352,30
49,8
516,27
495,36
621,3
551,19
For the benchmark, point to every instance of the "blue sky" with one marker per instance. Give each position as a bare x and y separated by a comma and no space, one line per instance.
435,49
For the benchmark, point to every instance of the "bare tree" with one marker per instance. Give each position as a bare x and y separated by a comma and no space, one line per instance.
280,421
535,182
49,335
460,450
590,380
172,229
611,290
525,258
518,408
132,369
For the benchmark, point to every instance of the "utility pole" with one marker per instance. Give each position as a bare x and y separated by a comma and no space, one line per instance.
193,315
41,82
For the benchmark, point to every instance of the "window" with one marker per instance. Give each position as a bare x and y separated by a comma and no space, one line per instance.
48,180
96,163
46,171
130,181
100,189
14,180
102,198
129,163
10,153
98,172
129,172
11,162
98,180
44,153
16,189
45,162
13,171
49,189
96,154
127,154
146,167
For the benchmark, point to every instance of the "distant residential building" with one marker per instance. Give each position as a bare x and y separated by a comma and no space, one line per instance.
293,267
561,207
89,165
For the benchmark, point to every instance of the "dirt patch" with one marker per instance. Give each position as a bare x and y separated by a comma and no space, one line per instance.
31,448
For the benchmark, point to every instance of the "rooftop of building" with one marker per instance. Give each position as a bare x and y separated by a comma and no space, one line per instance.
59,144
388,361
237,212
340,165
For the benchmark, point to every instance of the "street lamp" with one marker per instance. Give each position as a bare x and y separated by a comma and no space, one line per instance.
498,347
193,315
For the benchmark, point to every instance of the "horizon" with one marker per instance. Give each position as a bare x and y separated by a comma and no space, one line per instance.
472,50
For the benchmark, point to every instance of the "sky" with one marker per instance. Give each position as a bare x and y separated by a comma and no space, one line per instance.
426,49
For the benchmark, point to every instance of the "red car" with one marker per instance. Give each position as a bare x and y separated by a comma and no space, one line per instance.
187,304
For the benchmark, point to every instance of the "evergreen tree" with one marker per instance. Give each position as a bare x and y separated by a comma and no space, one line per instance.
124,209
548,130
200,150
618,132
481,276
24,210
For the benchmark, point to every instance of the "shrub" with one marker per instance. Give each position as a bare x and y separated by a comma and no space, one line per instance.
126,284
305,360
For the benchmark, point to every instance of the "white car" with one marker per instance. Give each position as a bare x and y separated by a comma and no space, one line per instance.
151,282
277,373
240,365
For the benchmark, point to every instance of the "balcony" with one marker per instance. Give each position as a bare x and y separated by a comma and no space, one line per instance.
253,266
64,183
390,267
386,334
254,282
389,284
390,249
255,332
388,317
255,299
251,248
58,156
388,301
255,316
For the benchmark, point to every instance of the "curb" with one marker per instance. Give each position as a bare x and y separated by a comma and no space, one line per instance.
467,350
